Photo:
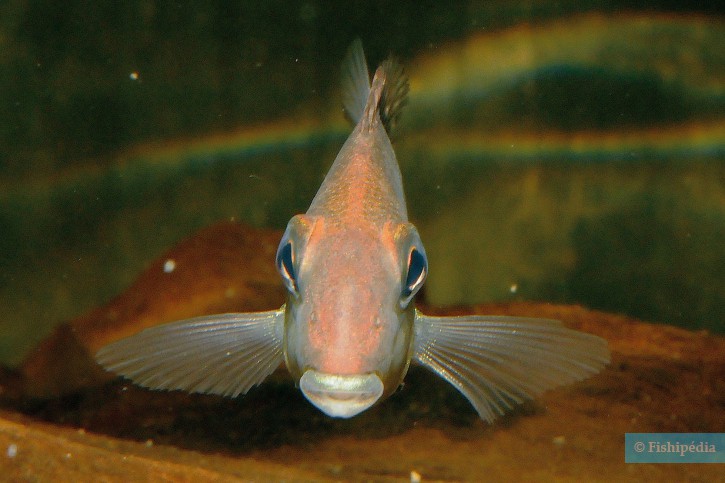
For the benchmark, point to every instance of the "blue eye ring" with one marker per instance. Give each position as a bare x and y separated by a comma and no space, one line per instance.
415,277
286,266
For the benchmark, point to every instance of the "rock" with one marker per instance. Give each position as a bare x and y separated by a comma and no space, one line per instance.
226,267
33,451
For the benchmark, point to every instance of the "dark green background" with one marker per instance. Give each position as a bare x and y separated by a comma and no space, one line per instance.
78,222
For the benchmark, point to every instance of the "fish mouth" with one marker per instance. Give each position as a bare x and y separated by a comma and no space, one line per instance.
341,396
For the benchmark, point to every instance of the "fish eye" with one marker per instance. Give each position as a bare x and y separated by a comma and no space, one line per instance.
417,271
285,266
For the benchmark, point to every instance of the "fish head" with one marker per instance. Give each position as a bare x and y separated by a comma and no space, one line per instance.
349,317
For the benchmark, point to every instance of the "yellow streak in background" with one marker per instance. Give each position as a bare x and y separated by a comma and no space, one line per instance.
673,46
473,67
685,141
246,141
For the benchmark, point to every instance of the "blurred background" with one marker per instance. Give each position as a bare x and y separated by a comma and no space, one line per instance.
567,151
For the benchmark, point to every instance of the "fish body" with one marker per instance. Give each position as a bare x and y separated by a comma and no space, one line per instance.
348,258
349,330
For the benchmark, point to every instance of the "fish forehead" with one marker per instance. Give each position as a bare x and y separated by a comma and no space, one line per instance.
364,184
349,262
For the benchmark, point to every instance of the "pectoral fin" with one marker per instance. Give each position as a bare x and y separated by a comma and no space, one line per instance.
220,354
497,362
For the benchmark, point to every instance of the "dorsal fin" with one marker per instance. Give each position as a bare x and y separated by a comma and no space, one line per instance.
387,95
394,94
355,82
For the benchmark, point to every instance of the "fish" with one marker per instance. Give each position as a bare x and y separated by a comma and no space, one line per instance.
349,330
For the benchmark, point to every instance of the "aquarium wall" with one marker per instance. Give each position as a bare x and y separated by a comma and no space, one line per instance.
570,152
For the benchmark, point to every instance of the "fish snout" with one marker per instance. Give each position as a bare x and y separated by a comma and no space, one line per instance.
341,396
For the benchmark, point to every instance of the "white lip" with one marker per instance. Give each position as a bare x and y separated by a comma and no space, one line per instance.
341,396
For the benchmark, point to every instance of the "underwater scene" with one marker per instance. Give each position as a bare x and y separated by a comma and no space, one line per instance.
560,160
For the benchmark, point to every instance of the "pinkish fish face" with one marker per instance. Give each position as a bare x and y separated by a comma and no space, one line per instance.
349,321
349,330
